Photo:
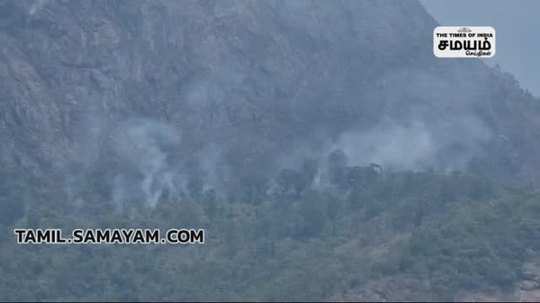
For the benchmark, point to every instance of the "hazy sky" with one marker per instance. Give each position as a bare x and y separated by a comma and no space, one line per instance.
517,24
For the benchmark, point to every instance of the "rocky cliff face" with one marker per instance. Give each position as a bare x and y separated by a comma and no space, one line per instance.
103,103
153,91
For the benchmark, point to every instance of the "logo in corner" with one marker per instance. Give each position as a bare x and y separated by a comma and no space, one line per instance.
464,41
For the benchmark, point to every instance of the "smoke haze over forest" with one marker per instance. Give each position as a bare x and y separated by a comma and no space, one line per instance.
326,151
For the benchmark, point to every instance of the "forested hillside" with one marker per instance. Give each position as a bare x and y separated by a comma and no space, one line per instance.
371,236
326,151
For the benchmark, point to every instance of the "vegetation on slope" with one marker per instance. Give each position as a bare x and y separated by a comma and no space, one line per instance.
421,234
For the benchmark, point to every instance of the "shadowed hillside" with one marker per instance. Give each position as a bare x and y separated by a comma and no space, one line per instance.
326,150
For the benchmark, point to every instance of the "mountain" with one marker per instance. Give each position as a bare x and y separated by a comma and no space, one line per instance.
109,105
255,81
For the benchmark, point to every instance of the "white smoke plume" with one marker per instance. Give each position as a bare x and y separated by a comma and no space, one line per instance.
147,147
445,145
